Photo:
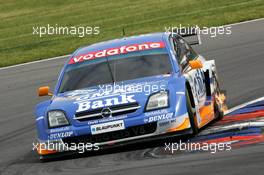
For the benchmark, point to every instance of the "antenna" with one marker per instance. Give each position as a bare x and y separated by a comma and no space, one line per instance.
124,33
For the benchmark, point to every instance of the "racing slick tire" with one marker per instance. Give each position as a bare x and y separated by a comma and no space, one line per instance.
191,113
219,114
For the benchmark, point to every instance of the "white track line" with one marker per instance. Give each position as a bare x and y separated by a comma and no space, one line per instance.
244,22
49,59
244,104
33,62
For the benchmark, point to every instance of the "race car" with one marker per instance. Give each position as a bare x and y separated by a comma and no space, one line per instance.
128,90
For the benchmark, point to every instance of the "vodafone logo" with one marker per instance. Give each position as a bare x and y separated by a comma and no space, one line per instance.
116,51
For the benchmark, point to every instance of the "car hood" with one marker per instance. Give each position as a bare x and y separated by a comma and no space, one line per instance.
109,95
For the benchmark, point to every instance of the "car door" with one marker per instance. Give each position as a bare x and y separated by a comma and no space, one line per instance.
196,78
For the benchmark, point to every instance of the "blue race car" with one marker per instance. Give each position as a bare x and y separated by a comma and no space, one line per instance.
128,90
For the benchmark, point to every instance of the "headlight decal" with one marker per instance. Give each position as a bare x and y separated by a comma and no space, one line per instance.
57,118
157,100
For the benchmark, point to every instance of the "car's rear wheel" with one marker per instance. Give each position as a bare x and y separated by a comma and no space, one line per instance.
191,113
219,114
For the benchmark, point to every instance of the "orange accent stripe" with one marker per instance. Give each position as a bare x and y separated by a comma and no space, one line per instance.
45,151
207,114
185,124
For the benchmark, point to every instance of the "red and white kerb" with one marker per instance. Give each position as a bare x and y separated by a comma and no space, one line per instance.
116,51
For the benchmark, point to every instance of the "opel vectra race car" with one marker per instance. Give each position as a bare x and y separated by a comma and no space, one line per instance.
128,90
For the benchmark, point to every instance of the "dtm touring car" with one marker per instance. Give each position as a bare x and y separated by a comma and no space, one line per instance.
101,98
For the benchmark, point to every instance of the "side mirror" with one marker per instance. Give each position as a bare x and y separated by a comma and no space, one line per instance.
195,64
44,91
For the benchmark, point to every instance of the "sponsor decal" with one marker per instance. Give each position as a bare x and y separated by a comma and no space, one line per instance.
159,117
167,122
173,121
107,127
161,124
116,51
106,119
122,99
80,92
66,128
106,112
60,135
156,112
199,85
101,93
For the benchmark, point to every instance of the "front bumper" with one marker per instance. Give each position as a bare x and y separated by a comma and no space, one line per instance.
160,124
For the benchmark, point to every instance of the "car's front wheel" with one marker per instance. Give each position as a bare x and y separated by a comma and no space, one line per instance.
191,113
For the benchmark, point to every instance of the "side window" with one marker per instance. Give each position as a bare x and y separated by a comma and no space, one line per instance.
190,52
184,51
174,45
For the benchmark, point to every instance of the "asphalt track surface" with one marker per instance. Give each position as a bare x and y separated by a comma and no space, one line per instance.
240,62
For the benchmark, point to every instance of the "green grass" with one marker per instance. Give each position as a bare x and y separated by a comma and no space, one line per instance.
18,44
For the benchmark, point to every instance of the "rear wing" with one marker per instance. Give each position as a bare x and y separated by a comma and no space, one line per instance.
190,34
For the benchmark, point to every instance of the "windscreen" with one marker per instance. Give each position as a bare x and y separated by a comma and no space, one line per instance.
115,69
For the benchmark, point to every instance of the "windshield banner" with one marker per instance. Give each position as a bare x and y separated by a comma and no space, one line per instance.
116,51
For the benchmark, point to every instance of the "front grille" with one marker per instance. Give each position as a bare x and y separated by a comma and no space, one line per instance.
115,135
116,110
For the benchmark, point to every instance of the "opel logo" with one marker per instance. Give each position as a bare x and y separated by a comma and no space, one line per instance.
106,112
